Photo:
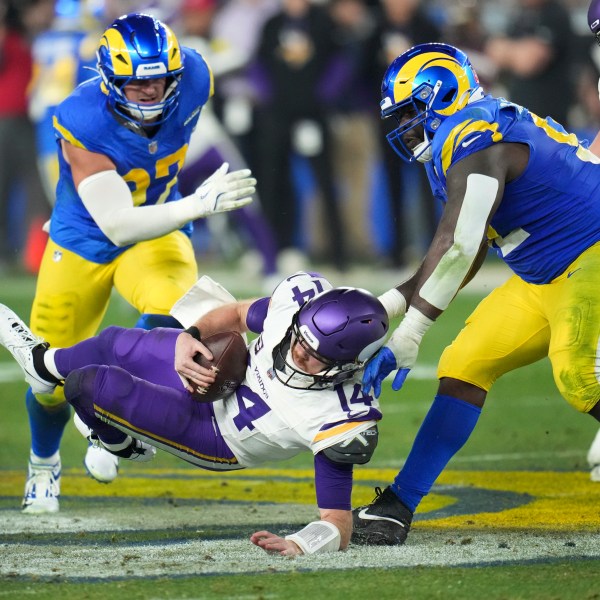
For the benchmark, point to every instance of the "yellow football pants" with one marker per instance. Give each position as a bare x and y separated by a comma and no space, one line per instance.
520,323
72,293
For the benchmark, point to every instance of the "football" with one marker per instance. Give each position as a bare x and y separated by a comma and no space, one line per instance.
230,357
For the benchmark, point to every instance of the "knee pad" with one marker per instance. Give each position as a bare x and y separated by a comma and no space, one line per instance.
53,318
582,393
79,386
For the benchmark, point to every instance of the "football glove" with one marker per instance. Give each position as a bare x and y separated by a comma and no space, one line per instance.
400,352
223,191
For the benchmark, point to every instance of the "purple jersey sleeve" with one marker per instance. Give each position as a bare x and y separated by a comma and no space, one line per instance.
257,313
333,483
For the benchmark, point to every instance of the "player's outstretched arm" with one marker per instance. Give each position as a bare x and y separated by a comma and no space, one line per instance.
108,199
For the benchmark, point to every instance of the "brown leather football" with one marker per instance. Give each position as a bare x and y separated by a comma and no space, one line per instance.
230,357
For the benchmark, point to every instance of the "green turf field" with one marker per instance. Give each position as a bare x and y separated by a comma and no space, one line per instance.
514,516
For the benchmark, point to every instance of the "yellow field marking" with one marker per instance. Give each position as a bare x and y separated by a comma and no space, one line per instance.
560,501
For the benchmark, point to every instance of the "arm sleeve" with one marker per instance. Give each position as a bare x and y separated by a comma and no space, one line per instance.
108,199
333,483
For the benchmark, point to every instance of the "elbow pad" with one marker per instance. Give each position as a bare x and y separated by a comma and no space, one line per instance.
355,451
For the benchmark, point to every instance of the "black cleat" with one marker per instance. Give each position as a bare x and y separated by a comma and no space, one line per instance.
384,522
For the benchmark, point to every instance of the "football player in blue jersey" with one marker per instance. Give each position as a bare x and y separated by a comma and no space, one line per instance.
119,220
521,184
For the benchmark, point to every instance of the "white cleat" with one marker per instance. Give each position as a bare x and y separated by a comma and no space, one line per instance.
42,489
131,449
17,338
101,465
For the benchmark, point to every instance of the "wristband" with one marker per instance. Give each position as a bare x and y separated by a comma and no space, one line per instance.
317,537
194,332
394,303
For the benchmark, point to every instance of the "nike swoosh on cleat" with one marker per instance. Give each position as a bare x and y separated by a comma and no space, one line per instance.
363,514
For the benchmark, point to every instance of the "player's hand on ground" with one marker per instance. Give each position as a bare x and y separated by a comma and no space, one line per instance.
224,191
186,347
270,542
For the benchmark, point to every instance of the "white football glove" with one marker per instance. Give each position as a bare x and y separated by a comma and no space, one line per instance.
405,342
223,191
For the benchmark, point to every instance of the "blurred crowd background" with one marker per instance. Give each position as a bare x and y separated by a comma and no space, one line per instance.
297,100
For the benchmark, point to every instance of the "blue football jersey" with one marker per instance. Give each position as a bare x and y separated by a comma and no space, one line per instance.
551,213
149,165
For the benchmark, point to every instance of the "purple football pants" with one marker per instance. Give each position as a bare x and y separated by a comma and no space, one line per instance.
123,381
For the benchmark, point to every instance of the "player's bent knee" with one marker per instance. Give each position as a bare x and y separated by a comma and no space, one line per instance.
79,386
580,395
53,318
356,451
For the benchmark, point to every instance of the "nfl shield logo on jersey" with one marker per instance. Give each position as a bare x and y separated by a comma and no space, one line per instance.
153,147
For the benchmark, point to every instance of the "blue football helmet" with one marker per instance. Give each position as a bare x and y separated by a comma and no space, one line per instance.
342,327
138,46
427,83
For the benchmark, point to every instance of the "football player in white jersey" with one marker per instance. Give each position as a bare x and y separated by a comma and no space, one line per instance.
301,392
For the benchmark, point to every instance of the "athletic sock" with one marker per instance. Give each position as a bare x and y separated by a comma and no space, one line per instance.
150,321
447,426
39,461
50,363
39,363
46,426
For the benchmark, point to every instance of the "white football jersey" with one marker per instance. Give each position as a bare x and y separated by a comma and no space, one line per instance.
265,420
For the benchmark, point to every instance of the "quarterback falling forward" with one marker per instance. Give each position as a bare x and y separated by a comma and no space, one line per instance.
301,392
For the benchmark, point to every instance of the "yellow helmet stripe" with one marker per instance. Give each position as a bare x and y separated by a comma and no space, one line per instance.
174,51
113,41
403,87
